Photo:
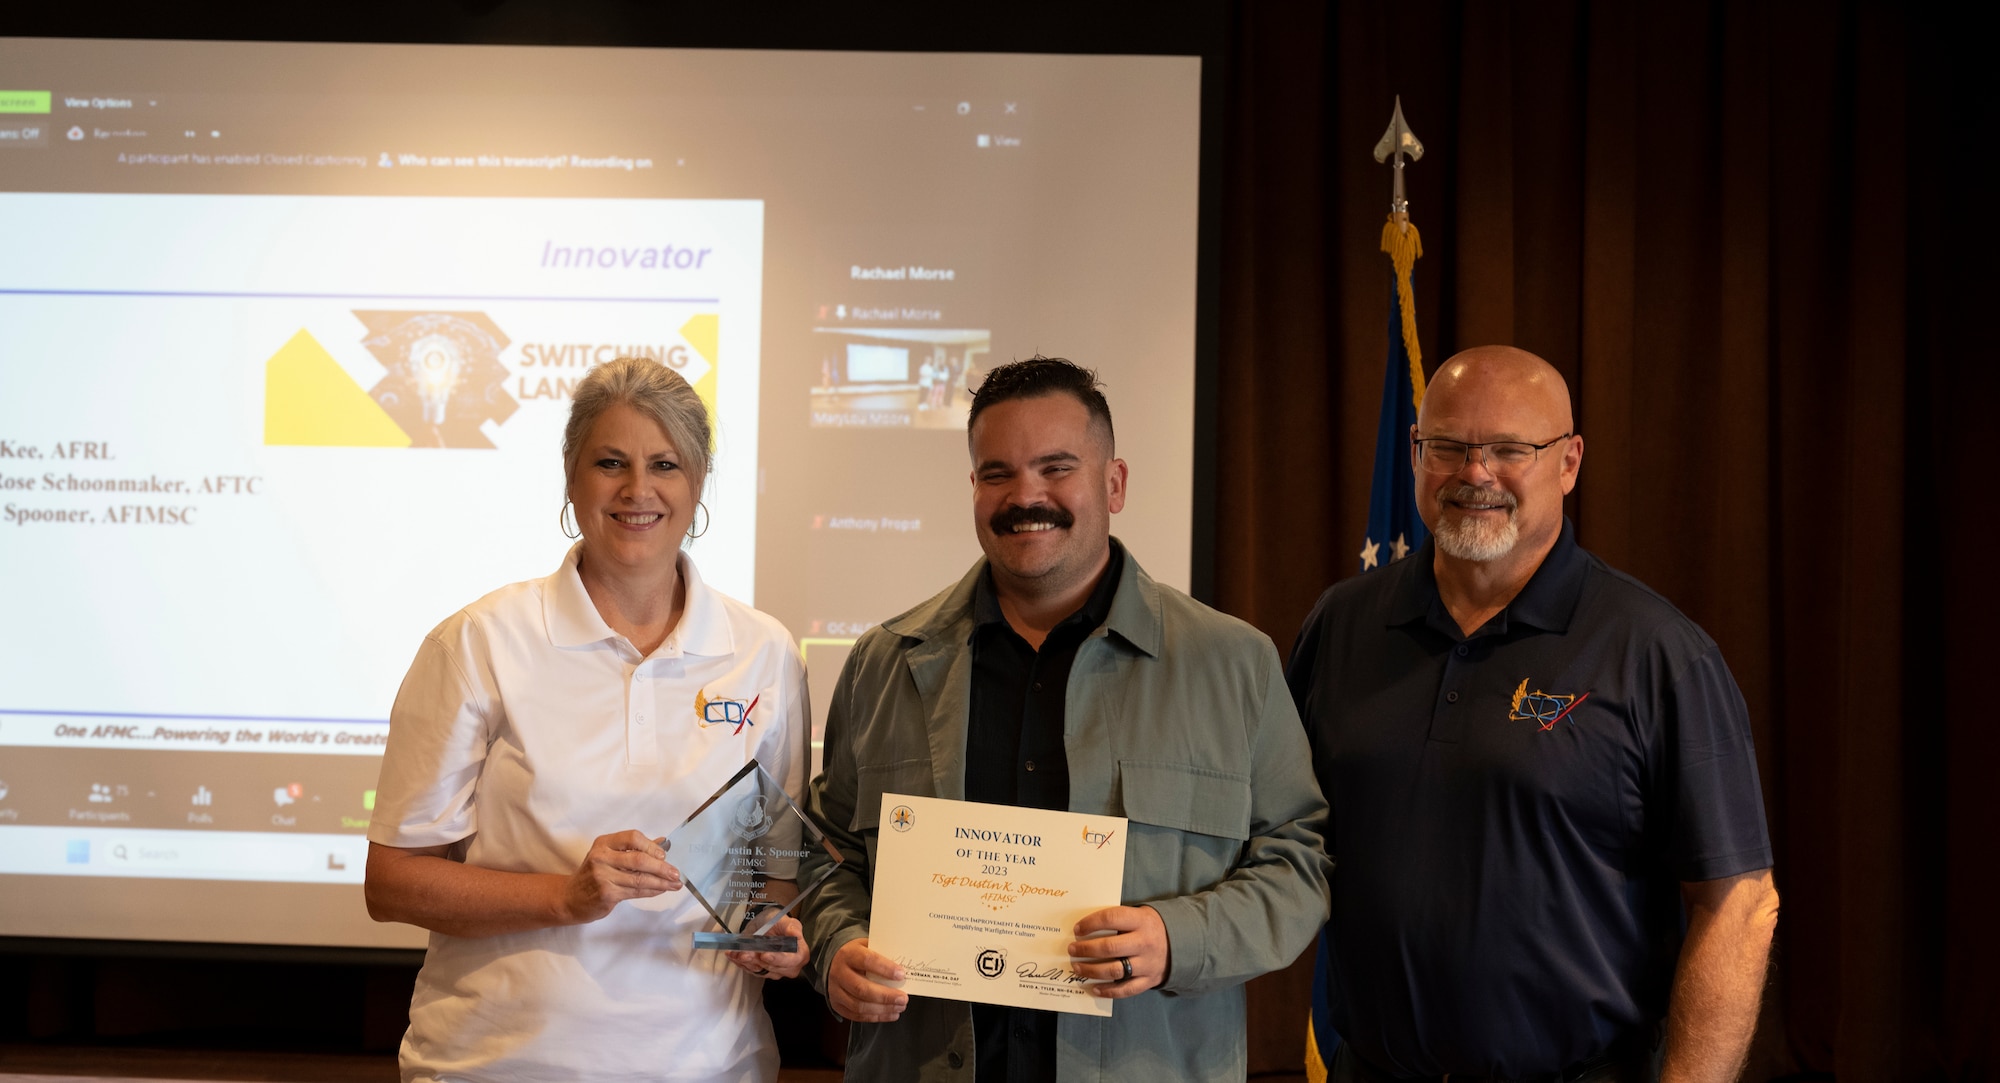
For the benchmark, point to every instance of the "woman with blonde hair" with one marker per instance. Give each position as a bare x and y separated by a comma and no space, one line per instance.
544,737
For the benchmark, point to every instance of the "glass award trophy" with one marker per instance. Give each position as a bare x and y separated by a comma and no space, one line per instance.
749,833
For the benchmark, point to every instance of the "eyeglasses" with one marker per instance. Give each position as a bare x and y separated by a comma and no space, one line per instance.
1502,458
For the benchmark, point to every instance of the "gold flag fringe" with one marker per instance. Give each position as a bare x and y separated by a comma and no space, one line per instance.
1403,244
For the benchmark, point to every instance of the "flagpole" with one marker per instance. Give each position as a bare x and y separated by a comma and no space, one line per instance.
1403,141
1400,239
1395,528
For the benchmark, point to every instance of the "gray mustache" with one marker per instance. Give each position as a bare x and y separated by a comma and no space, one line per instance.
1472,494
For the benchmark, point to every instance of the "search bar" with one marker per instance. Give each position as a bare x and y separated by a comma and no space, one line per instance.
199,855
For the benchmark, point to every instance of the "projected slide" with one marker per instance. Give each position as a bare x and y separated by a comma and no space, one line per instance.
288,336
293,433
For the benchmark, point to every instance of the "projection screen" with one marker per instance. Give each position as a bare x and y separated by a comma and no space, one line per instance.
287,338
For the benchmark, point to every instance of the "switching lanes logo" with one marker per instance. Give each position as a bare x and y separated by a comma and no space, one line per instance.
445,375
442,381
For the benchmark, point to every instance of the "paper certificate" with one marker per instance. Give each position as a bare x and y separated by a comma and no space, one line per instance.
979,902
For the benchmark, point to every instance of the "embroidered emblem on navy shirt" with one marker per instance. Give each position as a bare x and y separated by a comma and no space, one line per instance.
1545,709
723,712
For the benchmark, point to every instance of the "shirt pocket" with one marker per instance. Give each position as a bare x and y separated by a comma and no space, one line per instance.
872,780
1188,825
1186,798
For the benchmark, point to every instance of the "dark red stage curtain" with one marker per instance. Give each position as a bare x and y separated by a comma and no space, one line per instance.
1751,235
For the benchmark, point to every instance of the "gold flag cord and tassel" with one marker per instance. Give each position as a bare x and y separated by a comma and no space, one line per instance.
1404,244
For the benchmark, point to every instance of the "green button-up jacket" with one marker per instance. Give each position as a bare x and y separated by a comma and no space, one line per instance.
1177,718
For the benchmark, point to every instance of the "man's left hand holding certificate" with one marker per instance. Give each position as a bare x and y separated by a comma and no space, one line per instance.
981,902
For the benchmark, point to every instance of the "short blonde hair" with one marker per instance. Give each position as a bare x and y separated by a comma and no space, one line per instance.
654,390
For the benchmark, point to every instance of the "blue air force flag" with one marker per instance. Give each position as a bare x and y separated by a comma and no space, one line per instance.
1394,530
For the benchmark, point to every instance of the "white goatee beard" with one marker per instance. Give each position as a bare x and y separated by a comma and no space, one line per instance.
1474,539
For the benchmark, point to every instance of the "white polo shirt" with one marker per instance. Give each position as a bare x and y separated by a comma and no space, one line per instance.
525,729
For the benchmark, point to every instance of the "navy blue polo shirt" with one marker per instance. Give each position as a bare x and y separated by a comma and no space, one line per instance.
1512,812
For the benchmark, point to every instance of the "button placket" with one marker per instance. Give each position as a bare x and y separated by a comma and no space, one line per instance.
642,742
1452,707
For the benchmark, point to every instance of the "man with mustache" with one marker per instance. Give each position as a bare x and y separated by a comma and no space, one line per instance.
1057,674
1536,766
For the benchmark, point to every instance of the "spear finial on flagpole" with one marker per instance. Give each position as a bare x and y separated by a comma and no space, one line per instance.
1400,142
1400,239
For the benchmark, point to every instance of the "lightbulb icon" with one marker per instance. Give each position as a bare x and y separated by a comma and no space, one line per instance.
437,365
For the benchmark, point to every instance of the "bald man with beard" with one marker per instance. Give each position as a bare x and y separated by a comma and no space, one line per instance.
1551,861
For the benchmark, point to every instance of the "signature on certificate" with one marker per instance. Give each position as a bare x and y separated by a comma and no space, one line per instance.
1040,972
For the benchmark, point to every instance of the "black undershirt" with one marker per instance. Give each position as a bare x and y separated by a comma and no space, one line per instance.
1014,755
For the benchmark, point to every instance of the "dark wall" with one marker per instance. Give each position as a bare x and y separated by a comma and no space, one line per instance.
204,997
1752,236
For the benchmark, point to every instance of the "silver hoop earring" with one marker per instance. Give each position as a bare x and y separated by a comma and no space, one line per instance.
562,520
705,520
